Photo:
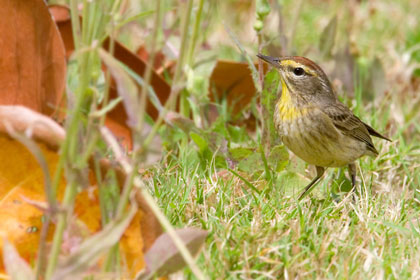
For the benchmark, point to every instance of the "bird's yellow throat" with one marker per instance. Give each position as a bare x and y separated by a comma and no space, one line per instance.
286,109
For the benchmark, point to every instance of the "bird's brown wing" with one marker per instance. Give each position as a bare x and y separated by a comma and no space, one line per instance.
345,121
373,132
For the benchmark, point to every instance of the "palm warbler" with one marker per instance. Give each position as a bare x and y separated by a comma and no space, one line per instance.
313,123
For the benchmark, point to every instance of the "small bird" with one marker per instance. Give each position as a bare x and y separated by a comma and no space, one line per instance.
313,123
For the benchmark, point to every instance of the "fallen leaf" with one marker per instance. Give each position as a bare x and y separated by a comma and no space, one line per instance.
159,57
126,89
61,16
122,133
162,64
232,80
164,258
59,13
16,267
33,64
34,125
132,61
93,248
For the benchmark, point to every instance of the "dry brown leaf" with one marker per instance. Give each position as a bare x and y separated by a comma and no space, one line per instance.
123,134
164,258
160,64
126,88
32,55
59,13
160,86
35,125
159,57
232,80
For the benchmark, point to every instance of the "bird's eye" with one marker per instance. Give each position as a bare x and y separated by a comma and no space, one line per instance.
298,71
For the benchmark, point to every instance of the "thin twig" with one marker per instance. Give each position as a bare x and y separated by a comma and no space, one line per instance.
180,63
194,37
137,182
149,67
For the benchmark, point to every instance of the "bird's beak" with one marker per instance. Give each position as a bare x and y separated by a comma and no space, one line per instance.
270,60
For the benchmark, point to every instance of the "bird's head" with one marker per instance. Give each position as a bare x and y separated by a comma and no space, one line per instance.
303,77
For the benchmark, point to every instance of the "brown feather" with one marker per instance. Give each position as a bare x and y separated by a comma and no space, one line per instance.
349,124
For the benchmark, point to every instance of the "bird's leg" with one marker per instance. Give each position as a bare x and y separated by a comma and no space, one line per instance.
352,173
319,172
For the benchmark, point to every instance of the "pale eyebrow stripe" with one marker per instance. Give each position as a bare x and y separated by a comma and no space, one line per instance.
296,64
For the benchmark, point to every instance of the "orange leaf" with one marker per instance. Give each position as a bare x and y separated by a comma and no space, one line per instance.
21,181
21,222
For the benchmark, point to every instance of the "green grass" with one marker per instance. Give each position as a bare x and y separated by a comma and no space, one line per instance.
273,235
